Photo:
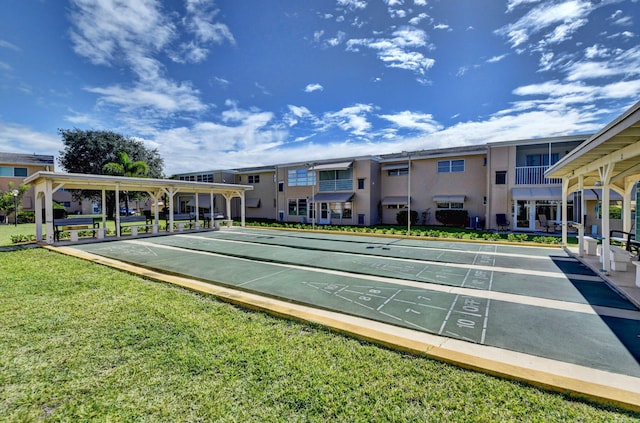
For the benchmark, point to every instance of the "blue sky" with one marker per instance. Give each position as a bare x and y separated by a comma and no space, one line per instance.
218,84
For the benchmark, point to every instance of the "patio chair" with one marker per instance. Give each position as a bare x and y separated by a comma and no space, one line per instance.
502,222
544,223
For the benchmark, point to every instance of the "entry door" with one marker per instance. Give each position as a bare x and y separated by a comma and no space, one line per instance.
524,215
325,214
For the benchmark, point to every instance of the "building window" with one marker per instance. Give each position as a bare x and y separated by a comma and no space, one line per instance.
398,172
254,179
501,177
298,207
20,172
301,177
360,183
281,186
449,166
449,205
542,159
396,206
293,207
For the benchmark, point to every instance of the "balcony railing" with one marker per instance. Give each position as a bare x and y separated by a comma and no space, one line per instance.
336,185
534,175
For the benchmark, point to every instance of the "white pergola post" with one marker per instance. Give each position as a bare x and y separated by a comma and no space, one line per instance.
39,207
117,216
197,211
565,219
242,209
605,178
581,222
48,210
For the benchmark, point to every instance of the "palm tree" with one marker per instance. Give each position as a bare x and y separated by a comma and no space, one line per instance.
125,167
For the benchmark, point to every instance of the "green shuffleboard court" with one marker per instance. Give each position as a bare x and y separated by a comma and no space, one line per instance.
533,300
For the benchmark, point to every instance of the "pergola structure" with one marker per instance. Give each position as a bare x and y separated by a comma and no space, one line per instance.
46,183
609,160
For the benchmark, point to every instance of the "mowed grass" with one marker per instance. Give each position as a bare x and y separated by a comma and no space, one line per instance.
81,342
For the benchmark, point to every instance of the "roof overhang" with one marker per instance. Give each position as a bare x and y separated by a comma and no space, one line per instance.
396,166
387,201
449,198
617,146
333,166
334,197
123,183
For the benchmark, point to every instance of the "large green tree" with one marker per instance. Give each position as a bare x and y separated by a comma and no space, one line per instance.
126,167
88,151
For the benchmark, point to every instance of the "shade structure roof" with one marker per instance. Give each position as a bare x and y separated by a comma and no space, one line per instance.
123,183
617,145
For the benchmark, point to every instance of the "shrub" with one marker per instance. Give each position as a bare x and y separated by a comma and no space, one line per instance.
401,217
453,217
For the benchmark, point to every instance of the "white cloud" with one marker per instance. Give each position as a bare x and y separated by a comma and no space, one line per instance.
313,87
407,119
496,59
442,26
564,17
398,51
17,138
418,18
10,46
163,97
351,119
352,4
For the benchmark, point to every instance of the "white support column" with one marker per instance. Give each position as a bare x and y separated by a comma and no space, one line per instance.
117,216
565,220
103,206
242,209
605,178
48,211
39,207
211,223
197,212
626,204
227,198
170,193
581,222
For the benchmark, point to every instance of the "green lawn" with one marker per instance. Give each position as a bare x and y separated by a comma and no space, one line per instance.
82,342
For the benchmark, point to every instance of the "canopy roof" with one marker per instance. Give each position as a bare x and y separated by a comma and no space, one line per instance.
617,145
123,183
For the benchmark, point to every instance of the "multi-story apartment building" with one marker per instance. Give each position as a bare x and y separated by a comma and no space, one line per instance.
15,168
342,192
517,186
485,180
449,178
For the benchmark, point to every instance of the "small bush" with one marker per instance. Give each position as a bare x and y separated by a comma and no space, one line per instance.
401,217
453,217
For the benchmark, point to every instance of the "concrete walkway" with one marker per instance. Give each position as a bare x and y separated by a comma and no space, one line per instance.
533,314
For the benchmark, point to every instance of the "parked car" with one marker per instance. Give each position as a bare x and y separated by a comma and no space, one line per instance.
125,212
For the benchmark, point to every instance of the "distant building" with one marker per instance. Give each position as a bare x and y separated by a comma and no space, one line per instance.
16,167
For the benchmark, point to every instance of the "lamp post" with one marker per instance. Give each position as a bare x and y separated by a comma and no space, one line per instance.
405,153
15,193
313,194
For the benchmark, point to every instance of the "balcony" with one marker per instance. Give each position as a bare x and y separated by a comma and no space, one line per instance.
534,175
336,185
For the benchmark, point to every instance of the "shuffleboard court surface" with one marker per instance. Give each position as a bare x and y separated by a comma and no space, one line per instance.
537,301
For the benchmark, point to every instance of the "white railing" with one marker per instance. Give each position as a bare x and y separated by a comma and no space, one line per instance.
336,185
534,175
